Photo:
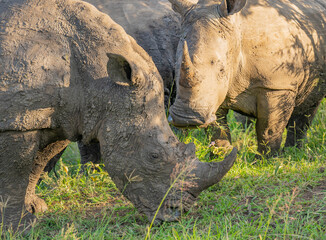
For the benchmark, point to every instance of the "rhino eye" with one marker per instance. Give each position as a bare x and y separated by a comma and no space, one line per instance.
154,155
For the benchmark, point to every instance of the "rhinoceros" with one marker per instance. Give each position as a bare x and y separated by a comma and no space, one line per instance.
262,58
155,27
69,72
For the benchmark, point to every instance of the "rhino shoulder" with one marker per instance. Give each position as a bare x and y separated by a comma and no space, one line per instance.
34,65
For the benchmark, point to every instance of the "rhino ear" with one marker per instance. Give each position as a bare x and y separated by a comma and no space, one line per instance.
122,72
229,7
119,69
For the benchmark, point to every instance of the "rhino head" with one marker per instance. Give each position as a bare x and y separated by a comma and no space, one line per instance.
141,153
208,57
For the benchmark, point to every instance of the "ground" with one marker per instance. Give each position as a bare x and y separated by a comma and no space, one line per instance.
276,198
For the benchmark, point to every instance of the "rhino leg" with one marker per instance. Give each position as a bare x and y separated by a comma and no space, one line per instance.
17,151
243,119
274,109
220,131
90,152
52,163
33,203
299,123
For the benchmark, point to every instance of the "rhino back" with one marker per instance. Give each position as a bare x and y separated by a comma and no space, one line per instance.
51,51
32,68
285,43
153,24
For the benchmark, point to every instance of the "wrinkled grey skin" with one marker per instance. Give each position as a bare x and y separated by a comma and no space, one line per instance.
264,59
154,26
69,72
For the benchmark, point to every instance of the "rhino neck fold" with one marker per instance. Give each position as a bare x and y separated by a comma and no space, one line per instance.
100,103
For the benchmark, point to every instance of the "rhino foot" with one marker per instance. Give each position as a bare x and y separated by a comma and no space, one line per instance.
34,204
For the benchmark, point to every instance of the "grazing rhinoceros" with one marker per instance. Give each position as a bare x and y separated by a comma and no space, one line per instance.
265,59
69,72
155,27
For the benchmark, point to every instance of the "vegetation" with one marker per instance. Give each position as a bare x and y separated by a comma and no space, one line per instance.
277,198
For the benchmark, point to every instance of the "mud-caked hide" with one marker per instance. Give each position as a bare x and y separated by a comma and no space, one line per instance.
68,72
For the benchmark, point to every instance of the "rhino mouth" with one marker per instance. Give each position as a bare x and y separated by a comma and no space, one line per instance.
183,194
173,207
189,121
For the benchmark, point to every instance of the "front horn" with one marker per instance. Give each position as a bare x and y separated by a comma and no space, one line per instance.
187,70
210,173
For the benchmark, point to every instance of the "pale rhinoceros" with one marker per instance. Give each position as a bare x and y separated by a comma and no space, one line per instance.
262,58
69,72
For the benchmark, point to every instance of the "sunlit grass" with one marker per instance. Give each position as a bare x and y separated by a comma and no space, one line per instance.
277,198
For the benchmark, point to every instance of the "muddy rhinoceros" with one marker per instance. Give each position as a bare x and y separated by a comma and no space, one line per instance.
262,58
155,27
69,72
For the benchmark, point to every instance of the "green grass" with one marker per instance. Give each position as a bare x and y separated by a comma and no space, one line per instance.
276,198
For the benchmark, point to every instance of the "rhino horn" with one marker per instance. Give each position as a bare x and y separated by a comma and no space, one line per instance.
207,174
181,6
187,68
